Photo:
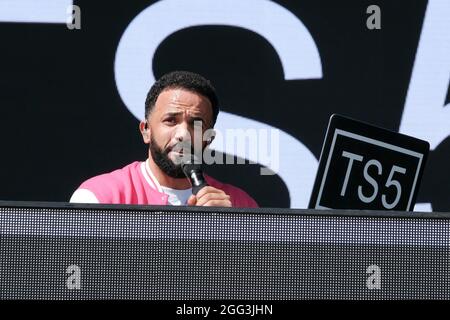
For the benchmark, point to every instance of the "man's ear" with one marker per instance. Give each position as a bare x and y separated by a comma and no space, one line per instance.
145,131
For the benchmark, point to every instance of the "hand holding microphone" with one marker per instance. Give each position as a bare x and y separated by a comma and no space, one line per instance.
202,193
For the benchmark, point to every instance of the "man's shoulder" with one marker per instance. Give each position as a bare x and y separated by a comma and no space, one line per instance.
239,197
109,187
117,176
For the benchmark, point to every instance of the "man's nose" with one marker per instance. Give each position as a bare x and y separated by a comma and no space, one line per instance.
183,132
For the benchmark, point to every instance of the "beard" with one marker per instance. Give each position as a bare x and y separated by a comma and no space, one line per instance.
162,160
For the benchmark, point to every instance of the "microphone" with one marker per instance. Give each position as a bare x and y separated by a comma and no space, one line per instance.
192,168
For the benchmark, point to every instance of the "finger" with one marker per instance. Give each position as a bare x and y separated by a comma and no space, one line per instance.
212,196
218,203
208,189
192,201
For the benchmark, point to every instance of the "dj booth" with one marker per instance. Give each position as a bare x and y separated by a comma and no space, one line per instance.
71,251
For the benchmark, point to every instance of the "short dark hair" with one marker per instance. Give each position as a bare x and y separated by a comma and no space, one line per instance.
186,80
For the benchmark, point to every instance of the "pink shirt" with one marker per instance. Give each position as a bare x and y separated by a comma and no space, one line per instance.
135,184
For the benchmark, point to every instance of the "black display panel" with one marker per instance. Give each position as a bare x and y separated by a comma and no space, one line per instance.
366,167
55,251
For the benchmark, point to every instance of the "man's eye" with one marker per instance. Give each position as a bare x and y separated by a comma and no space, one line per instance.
170,121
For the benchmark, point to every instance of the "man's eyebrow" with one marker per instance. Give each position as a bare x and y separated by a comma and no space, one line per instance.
176,113
173,113
198,118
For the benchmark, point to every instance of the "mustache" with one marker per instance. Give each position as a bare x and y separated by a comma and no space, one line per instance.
187,153
181,147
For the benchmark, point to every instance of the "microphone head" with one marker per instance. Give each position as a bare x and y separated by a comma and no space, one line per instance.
190,164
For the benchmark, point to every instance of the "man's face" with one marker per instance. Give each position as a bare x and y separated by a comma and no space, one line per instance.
171,127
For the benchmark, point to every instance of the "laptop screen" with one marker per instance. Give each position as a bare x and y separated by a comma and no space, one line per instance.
366,167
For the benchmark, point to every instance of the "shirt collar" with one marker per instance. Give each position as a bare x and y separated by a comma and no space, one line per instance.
149,177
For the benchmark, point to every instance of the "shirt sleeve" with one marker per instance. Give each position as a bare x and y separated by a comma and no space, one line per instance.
241,199
83,196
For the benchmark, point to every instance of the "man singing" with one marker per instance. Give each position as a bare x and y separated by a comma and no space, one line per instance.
174,103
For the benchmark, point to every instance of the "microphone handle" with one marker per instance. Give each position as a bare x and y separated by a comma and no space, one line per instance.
197,181
196,189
